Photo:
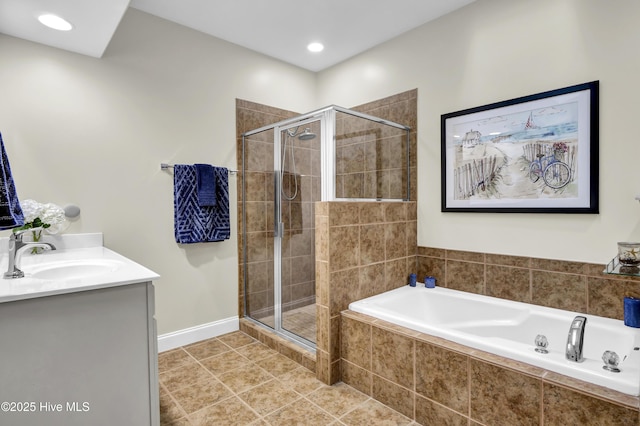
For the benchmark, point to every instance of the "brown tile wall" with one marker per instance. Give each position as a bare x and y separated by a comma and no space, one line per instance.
574,286
362,249
437,382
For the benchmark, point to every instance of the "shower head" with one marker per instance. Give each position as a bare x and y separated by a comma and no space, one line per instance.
306,135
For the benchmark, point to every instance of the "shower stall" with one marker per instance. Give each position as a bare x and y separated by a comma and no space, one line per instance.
331,154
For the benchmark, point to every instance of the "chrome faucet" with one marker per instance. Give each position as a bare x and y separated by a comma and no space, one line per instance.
575,339
16,248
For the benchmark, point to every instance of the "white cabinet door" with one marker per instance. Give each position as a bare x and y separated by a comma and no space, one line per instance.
84,358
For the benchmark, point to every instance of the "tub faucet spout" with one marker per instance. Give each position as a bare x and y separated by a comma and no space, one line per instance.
575,339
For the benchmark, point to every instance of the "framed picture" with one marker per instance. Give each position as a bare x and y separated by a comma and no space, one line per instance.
534,154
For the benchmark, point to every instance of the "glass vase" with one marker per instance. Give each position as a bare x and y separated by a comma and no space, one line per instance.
36,235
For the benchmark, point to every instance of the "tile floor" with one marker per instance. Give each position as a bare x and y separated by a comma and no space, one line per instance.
236,380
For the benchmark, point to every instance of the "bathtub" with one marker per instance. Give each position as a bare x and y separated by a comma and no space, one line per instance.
509,329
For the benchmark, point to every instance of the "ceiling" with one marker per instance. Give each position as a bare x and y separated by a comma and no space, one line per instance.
277,28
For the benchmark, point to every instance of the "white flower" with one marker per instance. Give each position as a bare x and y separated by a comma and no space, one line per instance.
51,216
31,210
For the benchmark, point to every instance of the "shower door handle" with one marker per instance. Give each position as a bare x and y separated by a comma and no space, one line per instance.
278,227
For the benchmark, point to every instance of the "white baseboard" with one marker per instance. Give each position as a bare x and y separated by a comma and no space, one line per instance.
195,334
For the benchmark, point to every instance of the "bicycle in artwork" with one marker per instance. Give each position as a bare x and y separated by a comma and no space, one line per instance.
554,172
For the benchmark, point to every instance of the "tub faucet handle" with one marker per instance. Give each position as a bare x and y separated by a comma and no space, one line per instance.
541,344
611,361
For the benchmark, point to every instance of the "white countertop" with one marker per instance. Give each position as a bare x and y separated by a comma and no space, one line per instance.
28,287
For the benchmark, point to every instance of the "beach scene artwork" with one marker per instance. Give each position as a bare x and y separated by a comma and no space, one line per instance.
524,155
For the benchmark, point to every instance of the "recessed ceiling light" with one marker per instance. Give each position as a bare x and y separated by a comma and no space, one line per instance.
55,22
315,47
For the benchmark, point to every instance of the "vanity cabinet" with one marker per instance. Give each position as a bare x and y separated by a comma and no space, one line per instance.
80,358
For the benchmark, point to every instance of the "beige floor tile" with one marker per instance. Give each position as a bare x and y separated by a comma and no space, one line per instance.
337,399
169,410
301,380
298,413
269,397
227,361
230,412
201,394
244,378
278,364
373,412
173,359
183,376
177,422
207,349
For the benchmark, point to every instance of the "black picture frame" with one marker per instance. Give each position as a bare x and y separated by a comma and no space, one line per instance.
533,154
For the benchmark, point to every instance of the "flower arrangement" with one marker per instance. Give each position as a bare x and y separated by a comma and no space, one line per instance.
560,147
38,216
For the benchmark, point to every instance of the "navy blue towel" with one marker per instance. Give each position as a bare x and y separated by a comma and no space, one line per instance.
10,211
194,223
206,185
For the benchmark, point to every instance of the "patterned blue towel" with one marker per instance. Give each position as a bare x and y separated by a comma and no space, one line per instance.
206,176
10,211
194,223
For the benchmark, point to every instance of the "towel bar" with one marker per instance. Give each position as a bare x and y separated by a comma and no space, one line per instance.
165,166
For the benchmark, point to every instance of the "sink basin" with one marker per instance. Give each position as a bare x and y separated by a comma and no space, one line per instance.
71,269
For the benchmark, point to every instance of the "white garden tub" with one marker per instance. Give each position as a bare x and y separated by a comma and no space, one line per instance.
509,329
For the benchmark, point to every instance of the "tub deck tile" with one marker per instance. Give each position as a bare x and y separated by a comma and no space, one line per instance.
500,361
563,406
444,343
442,376
396,328
600,392
503,397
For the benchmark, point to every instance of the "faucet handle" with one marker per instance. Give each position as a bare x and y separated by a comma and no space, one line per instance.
541,344
611,361
17,234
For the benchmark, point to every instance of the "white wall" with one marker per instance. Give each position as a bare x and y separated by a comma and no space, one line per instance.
495,50
94,131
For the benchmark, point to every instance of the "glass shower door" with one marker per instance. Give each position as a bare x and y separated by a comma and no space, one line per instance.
258,236
298,182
